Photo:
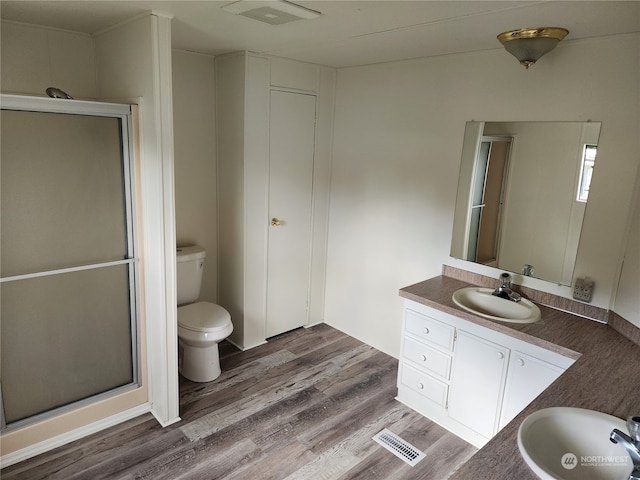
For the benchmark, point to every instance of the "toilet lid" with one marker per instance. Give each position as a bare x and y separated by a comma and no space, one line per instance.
203,317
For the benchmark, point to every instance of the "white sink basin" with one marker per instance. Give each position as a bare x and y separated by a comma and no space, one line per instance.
481,302
573,443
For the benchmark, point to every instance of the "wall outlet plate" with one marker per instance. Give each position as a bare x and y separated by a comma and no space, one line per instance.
583,289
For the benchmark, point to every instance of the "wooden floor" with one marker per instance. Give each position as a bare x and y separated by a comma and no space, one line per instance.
303,406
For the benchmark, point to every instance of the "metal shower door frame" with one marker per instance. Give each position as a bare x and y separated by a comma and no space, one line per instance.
123,112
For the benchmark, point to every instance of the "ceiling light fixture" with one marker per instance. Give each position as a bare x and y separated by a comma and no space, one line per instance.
273,12
529,44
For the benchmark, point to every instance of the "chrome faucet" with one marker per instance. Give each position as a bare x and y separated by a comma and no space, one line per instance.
630,443
504,290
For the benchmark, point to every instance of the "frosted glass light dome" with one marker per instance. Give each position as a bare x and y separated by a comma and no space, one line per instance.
528,45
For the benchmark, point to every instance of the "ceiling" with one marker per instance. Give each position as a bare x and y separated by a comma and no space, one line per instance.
349,32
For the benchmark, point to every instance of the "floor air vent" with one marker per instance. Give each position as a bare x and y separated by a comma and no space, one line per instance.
399,447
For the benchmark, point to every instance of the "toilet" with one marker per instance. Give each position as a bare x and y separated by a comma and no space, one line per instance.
201,325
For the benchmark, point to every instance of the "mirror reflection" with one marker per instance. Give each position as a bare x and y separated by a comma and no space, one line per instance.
522,193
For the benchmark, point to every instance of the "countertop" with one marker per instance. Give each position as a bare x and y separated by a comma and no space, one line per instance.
605,376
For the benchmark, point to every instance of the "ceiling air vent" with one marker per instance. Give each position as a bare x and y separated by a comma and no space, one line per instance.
273,12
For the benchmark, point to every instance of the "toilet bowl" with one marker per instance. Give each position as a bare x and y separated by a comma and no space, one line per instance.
201,327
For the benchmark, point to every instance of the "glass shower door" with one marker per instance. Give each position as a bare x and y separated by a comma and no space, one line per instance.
68,313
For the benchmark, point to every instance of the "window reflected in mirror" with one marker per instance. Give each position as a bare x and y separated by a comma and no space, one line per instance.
586,171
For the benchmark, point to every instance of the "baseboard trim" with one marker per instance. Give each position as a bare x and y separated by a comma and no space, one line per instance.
59,440
239,347
164,423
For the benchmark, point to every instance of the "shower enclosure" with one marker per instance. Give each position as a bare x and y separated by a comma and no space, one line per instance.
69,323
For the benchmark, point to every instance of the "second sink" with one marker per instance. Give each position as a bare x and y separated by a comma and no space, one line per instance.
573,444
480,301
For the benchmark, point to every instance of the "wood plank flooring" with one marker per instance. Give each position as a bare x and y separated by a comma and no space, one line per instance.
303,406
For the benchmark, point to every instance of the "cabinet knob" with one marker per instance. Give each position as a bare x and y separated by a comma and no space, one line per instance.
423,358
426,331
420,385
521,362
275,222
500,355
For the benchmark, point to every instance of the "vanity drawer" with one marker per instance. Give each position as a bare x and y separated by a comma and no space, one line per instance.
429,329
423,384
428,358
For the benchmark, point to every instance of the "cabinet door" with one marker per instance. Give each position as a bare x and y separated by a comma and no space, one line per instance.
477,380
527,378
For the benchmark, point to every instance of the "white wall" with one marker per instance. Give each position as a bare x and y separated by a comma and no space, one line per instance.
627,302
34,58
195,159
397,145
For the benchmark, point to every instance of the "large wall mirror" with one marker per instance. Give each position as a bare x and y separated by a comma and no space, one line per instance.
522,192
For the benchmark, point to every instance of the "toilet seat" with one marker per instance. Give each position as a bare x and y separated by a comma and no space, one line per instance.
203,317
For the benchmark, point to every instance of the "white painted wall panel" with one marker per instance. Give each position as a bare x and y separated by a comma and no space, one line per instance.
627,301
34,58
195,160
294,75
321,185
230,72
256,173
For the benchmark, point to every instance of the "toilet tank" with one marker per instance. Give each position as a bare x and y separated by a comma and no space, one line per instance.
190,263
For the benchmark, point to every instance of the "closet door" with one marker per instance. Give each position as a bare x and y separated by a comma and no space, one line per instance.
291,152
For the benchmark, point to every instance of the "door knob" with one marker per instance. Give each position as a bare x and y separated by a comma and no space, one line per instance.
275,222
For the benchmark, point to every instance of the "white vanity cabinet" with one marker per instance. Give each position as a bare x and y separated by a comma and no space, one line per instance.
528,377
426,359
476,384
468,378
